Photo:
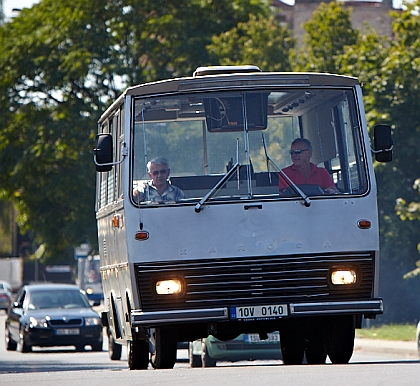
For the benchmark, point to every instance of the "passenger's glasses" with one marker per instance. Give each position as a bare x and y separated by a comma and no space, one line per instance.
157,172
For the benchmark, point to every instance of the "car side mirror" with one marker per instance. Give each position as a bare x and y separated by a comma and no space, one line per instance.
383,142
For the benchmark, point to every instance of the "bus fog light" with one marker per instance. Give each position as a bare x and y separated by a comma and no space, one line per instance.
343,276
168,287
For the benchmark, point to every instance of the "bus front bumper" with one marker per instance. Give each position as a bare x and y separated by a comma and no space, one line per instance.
366,307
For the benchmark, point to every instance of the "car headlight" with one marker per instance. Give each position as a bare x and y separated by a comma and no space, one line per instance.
38,322
92,321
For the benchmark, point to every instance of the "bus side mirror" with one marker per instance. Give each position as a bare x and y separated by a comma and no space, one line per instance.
103,152
382,139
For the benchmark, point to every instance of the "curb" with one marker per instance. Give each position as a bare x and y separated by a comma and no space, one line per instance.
405,349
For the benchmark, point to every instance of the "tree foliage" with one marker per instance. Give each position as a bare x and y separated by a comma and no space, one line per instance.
59,76
327,35
260,41
389,71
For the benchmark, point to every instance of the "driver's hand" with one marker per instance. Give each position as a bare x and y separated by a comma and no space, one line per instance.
330,191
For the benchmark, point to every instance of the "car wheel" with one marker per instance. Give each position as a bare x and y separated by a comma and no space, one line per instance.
195,360
80,347
22,346
11,345
97,346
114,349
206,359
418,343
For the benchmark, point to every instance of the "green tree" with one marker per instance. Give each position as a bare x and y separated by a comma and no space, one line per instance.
327,35
388,69
400,88
260,41
62,62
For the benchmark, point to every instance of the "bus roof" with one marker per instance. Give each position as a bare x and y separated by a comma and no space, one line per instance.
213,80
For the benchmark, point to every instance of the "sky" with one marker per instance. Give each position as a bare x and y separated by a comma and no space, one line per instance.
8,5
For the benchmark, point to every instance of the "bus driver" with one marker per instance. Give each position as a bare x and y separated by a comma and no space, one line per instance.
158,189
302,171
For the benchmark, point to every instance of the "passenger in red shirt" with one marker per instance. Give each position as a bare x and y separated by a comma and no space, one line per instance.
302,171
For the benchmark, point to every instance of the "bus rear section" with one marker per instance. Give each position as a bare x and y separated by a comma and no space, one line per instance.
238,201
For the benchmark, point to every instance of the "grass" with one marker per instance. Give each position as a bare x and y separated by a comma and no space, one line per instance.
404,332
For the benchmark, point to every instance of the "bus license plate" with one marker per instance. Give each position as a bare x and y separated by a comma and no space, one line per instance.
259,312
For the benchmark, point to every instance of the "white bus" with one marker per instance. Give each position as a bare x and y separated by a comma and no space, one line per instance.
245,249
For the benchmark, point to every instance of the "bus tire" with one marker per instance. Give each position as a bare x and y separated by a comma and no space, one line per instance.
340,339
114,349
292,341
165,347
315,345
138,355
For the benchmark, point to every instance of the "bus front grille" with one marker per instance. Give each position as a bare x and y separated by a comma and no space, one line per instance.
254,280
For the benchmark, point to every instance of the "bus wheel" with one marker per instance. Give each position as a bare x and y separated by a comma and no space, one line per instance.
340,339
315,348
206,359
165,346
138,355
114,349
292,341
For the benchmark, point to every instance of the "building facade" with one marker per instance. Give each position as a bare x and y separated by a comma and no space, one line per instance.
375,13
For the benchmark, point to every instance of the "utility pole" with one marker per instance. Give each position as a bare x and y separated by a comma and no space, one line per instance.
1,13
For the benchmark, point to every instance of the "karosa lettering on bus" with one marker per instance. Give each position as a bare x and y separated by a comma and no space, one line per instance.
242,248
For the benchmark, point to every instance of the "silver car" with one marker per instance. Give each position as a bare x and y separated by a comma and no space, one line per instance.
5,295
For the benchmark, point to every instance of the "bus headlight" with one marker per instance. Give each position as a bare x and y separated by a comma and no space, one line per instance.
169,287
342,276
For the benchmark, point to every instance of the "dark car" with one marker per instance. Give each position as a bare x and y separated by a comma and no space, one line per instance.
47,315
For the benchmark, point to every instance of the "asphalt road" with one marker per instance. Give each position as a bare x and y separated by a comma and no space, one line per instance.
370,365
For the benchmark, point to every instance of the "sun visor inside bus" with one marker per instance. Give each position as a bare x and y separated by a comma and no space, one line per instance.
226,113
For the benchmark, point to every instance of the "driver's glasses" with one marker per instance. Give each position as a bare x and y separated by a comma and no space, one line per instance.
299,151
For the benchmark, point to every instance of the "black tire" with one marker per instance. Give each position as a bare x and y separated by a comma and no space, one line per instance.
206,359
11,345
22,346
195,360
114,349
315,342
97,346
340,339
165,347
292,341
80,347
138,355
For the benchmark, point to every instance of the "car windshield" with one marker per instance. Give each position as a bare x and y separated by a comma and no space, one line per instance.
57,299
204,136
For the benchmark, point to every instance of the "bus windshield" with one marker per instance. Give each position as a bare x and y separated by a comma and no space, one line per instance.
204,135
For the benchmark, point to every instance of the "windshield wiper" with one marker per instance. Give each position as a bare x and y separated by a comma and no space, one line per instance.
216,187
292,185
231,171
